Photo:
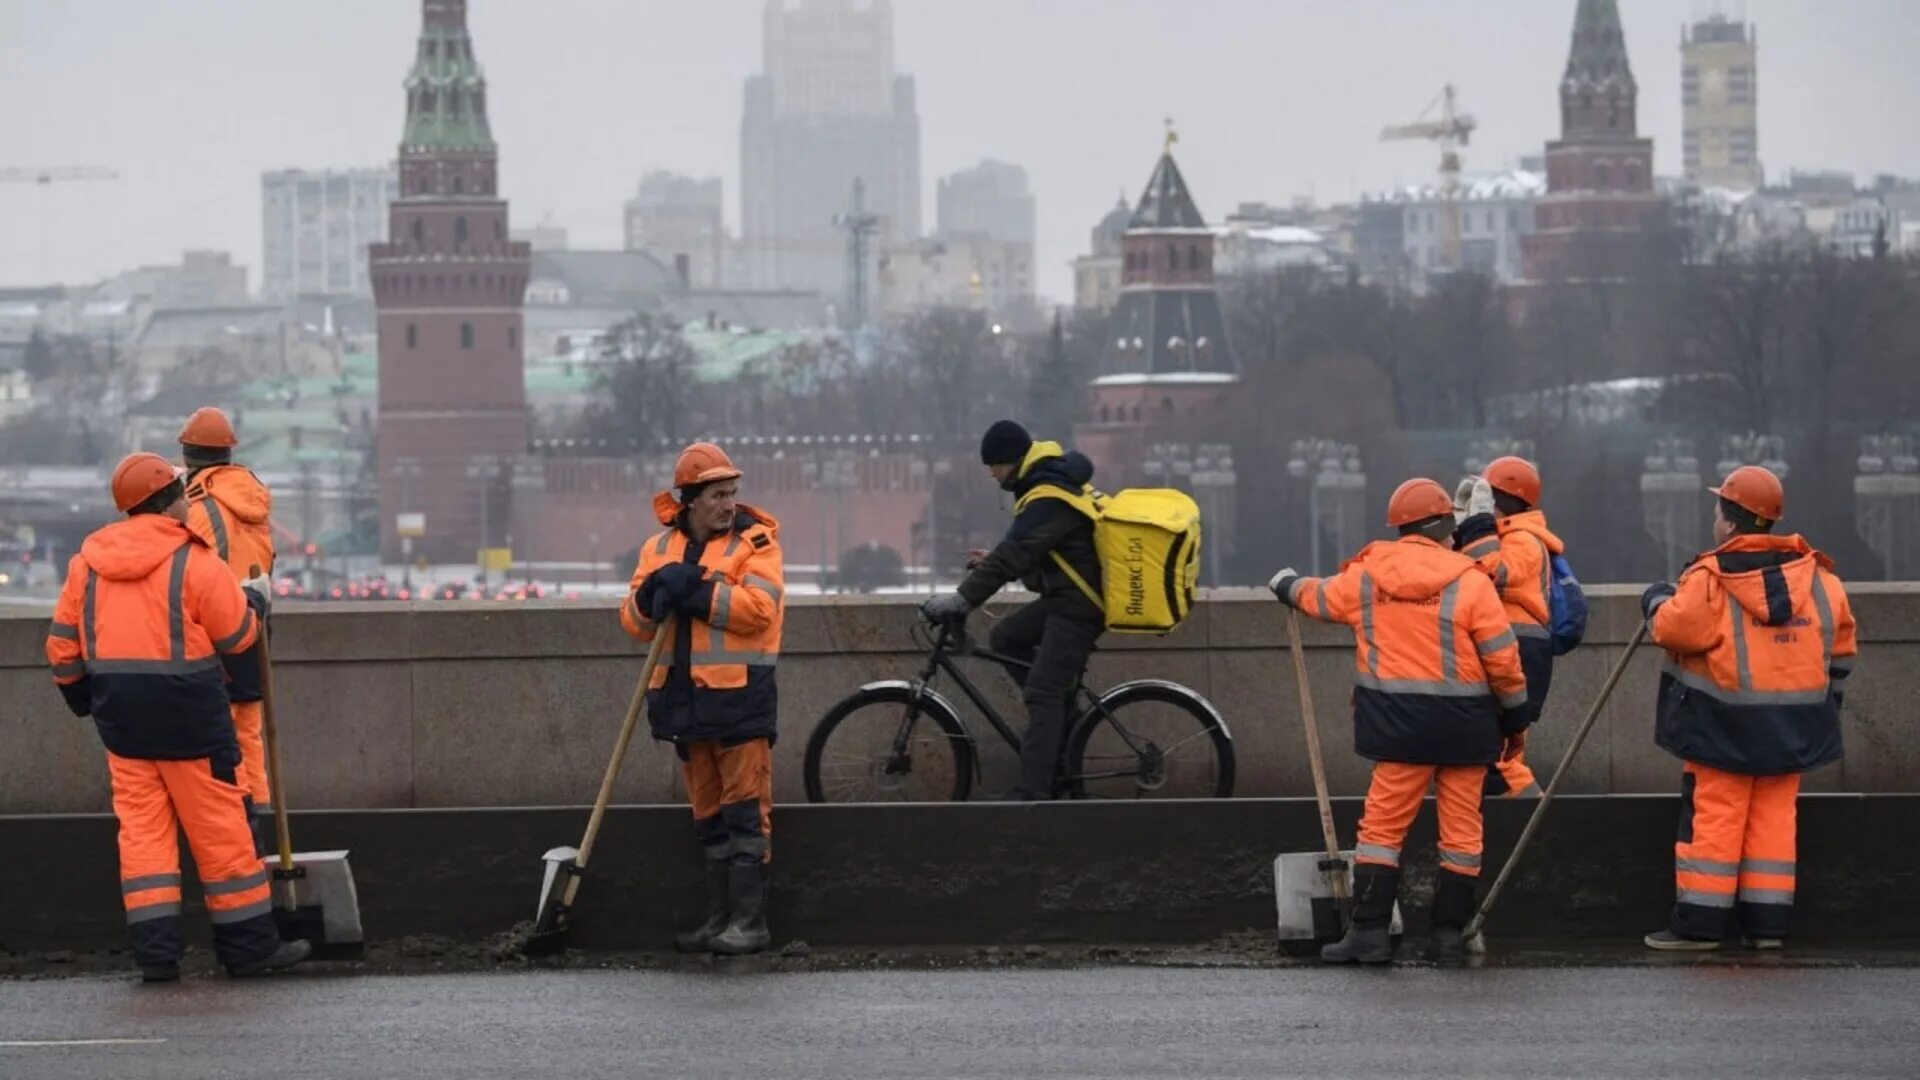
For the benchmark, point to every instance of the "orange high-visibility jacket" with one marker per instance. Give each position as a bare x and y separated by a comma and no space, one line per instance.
1760,640
718,680
228,507
1518,557
137,635
1437,675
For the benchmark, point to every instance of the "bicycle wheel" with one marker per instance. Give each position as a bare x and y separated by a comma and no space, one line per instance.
889,744
1150,740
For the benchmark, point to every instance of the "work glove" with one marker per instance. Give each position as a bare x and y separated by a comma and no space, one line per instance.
667,588
1282,585
1473,496
946,608
1511,746
1657,593
79,695
260,585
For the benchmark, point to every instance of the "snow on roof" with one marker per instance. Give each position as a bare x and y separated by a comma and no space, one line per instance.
1274,234
1168,378
1511,184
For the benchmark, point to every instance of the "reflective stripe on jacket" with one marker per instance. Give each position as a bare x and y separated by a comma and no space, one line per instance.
718,682
1436,666
145,614
1518,556
229,508
1760,639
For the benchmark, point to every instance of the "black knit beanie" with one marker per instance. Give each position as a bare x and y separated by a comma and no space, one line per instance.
1005,443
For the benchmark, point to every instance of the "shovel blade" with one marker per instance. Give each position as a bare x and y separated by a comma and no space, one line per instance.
318,904
559,865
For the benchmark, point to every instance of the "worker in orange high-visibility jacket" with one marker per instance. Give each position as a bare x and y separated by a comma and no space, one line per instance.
1502,528
1439,695
145,615
1760,641
228,507
716,572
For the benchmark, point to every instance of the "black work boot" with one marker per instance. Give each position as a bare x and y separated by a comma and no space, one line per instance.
1452,906
1367,940
746,930
160,973
288,954
719,901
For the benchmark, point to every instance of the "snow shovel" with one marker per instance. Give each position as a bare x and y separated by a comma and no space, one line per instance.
1476,942
1320,879
560,882
313,894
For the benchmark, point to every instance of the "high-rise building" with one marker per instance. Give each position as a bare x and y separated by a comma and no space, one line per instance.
449,287
827,109
678,217
1600,193
990,207
1096,275
315,227
1719,103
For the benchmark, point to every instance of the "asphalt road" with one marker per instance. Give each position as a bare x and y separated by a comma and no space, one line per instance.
1746,1023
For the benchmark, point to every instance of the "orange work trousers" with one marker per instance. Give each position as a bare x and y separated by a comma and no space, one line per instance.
1393,798
1734,854
253,752
155,801
731,790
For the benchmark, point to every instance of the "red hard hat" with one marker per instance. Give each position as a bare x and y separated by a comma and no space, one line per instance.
208,427
137,477
1515,476
1755,490
703,463
1417,500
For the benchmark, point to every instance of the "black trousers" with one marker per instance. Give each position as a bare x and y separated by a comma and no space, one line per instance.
1055,634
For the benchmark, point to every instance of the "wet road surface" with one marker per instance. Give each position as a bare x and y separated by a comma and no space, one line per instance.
1745,1022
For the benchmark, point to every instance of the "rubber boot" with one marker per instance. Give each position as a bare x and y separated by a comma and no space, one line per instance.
288,954
746,930
159,973
1452,906
719,899
1367,940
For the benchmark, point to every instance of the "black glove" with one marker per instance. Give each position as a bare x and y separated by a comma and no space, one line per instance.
946,608
1473,527
1657,593
1282,585
1513,722
79,695
667,588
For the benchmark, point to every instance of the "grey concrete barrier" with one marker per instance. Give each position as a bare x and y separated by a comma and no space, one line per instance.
984,874
490,704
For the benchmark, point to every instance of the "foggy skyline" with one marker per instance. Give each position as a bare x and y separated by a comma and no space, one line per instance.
191,101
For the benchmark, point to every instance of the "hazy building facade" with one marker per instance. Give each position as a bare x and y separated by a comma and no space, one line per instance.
449,288
316,226
676,217
1096,275
1719,103
827,109
990,208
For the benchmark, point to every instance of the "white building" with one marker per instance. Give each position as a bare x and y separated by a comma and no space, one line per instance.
315,227
1245,247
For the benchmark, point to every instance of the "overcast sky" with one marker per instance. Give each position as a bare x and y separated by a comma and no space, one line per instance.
190,100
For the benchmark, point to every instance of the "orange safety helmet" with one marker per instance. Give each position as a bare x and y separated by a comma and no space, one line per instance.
1755,490
703,463
208,427
137,477
1417,500
1516,477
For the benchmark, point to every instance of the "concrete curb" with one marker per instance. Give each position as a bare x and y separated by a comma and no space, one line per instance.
984,874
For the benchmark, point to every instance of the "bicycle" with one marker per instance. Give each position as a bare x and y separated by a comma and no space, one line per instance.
900,739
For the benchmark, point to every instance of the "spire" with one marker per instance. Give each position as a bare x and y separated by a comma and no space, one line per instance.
1166,203
1598,59
446,90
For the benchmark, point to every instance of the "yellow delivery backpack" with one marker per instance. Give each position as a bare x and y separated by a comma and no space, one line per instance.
1148,541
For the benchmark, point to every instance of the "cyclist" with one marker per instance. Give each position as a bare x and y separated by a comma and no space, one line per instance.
1056,632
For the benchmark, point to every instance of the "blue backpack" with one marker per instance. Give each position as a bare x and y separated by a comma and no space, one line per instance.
1566,608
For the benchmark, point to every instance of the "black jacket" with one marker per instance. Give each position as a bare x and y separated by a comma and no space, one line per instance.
1044,526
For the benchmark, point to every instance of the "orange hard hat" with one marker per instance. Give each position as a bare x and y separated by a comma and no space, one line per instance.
1515,476
1755,490
138,476
1417,500
703,463
208,427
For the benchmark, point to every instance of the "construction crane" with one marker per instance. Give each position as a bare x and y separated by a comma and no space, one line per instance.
44,178
1451,130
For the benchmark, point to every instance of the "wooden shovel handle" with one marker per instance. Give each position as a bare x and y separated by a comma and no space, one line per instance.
1312,725
662,634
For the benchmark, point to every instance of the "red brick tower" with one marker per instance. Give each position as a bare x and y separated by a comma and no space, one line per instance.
1600,195
448,285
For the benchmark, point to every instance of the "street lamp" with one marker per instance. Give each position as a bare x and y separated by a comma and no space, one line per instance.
1213,477
1670,489
1886,497
485,469
1335,468
405,469
1753,448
